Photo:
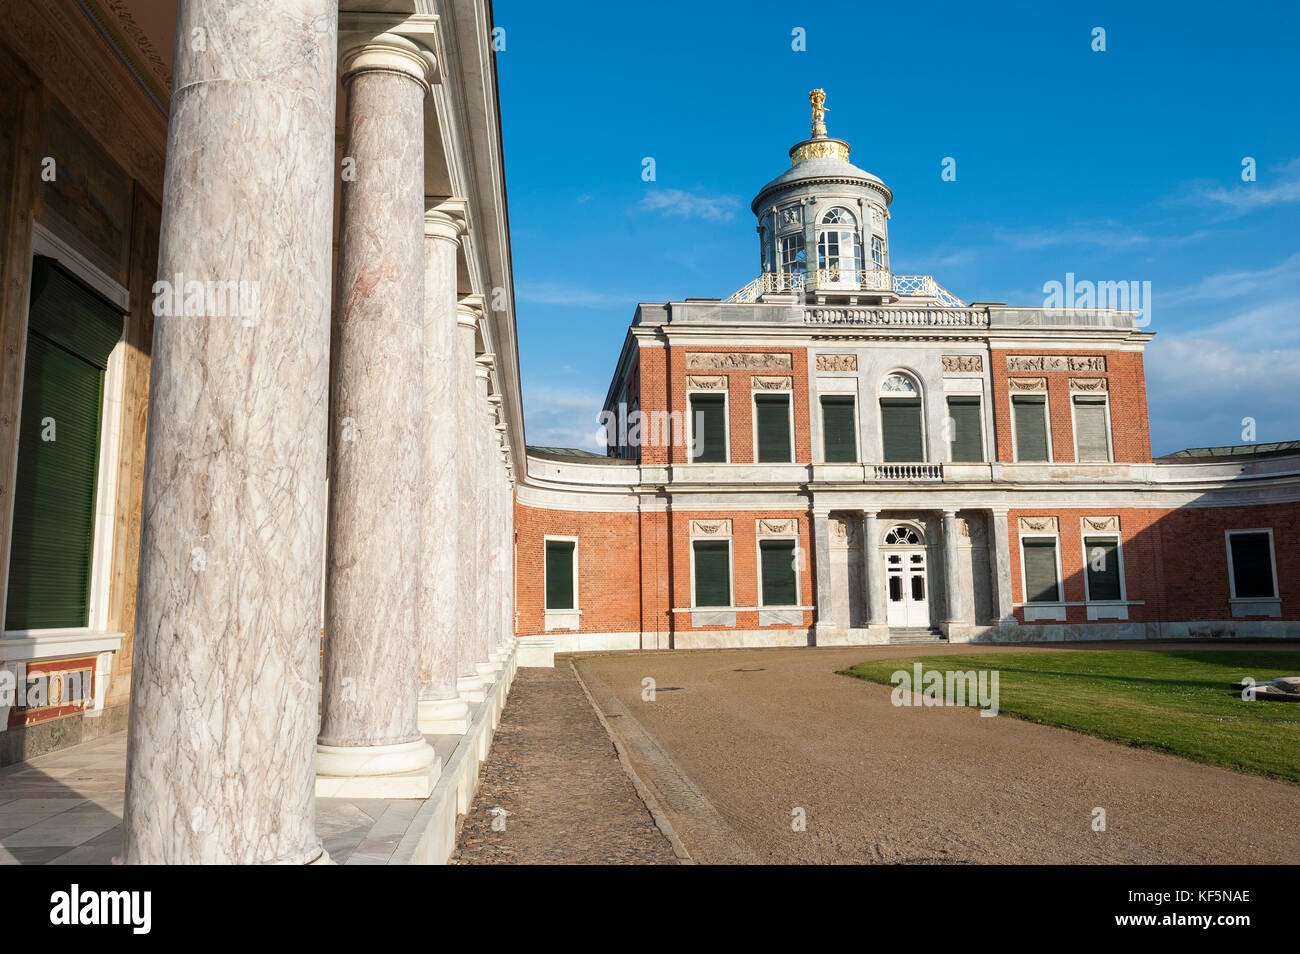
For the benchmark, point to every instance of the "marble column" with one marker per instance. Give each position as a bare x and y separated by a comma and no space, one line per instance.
370,742
484,584
441,709
822,568
226,663
1000,568
505,590
470,614
951,575
874,570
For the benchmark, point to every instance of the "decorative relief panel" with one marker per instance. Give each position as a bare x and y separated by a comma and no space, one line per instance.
845,534
1027,384
710,528
837,362
791,215
1087,384
1039,524
1019,363
707,382
772,384
772,527
737,361
1101,524
962,363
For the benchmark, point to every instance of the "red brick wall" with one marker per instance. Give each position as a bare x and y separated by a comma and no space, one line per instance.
1175,561
1126,383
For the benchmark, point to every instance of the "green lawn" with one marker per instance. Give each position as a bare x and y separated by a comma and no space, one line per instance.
1177,702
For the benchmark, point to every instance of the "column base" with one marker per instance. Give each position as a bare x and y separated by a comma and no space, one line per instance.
487,672
471,689
401,770
444,716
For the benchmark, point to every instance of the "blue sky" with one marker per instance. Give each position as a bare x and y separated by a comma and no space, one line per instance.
1120,165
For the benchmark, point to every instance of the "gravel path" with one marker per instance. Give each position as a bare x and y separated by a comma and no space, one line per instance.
737,740
555,771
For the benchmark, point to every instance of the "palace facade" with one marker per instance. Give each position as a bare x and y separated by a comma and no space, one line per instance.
839,453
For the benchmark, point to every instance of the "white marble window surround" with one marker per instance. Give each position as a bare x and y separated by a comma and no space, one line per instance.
1243,606
1105,609
1056,611
562,618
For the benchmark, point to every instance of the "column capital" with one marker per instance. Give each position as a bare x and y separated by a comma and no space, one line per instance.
483,364
469,309
445,218
949,514
364,52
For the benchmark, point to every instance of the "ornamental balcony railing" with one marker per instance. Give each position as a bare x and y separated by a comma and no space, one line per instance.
846,279
908,471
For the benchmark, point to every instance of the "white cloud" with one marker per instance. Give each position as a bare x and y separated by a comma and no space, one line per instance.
574,296
1280,279
564,417
1102,235
1248,196
717,208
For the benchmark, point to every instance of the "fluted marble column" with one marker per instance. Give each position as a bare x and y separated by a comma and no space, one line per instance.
370,742
226,659
470,614
441,709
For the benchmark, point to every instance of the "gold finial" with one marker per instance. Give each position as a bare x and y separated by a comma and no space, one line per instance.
818,100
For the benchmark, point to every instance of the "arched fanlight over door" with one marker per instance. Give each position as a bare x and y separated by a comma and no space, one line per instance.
903,535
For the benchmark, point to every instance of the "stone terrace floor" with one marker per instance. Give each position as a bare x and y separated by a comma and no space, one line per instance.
66,808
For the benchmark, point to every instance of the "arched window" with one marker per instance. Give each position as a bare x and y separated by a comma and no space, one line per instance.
839,247
903,536
877,252
901,433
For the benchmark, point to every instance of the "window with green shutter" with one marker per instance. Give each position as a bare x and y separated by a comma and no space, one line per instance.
1030,411
967,436
1091,436
839,430
712,572
1102,554
1041,583
559,574
900,430
71,333
709,428
776,560
773,427
1252,565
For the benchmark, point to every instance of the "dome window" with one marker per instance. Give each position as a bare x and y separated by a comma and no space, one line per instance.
839,248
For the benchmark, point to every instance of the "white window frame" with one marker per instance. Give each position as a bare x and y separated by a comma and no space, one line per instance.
561,618
880,418
798,574
1104,609
857,427
1042,610
789,407
1047,422
726,424
731,574
52,642
1074,427
1232,577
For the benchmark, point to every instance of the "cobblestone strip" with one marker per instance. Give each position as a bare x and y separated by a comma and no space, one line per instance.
712,840
554,788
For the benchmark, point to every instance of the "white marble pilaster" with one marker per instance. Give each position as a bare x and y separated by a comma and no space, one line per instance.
873,568
951,576
226,657
1000,568
370,742
822,568
441,709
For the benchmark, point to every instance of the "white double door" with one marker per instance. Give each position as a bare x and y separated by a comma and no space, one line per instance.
907,591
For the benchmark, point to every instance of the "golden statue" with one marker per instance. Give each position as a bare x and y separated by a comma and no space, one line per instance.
818,100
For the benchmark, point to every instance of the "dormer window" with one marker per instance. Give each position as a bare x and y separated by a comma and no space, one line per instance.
839,249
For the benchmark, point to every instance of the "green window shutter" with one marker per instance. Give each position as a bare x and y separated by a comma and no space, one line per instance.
967,434
779,585
773,428
559,574
1252,566
1102,554
712,573
839,437
1031,426
1041,585
1090,428
709,428
71,333
900,430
